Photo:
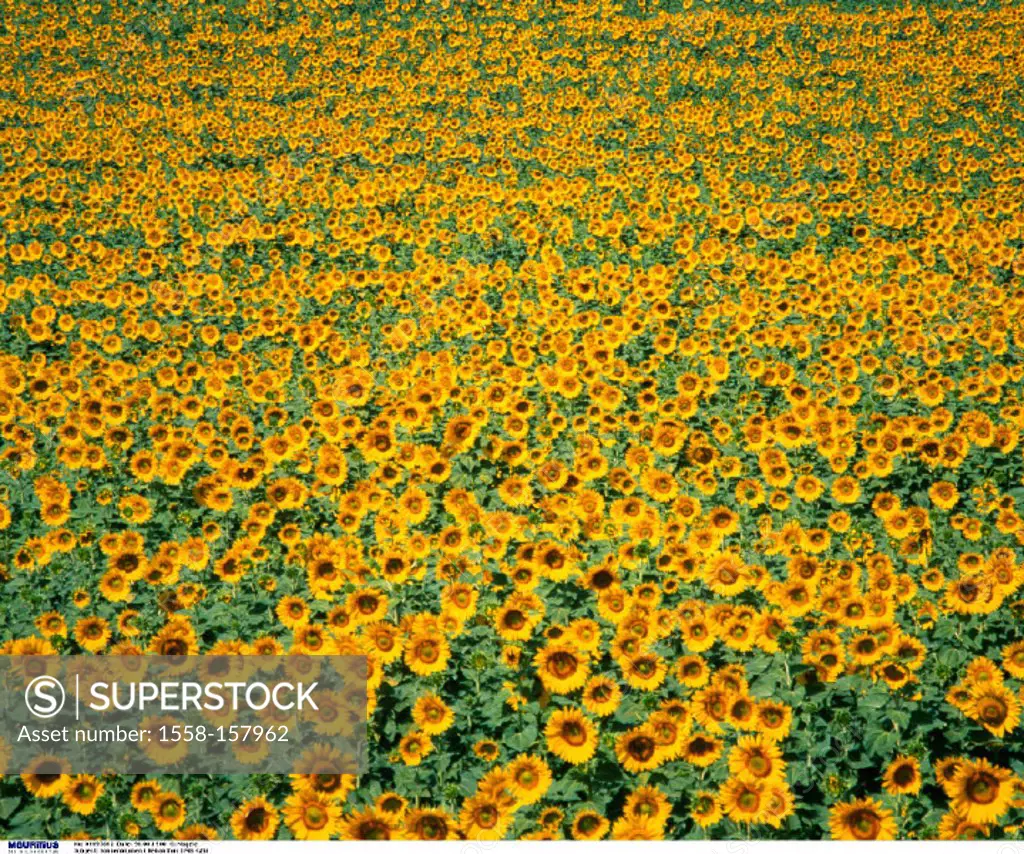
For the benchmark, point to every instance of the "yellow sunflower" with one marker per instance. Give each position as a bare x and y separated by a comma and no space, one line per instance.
82,793
256,819
571,735
310,816
903,776
980,791
862,819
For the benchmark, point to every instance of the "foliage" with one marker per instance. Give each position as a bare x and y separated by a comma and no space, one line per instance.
639,387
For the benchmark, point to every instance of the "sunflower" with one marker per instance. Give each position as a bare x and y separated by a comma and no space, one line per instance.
726,575
710,707
980,791
945,771
739,635
430,825
1013,659
143,794
865,649
808,488
195,832
571,735
756,759
953,827
773,719
486,749
625,828
637,750
660,485
840,521
335,786
893,674
130,563
983,672
529,777
769,628
432,715
613,604
168,810
701,749
959,696
862,820
92,633
342,621
292,612
51,624
326,574
845,490
1018,794
427,653
82,793
46,777
369,824
310,816
313,640
647,805
511,656
561,668
910,652
944,495
692,671
903,776
515,491
256,819
669,730
553,475
367,605
589,825
414,746
555,562
514,622
741,712
482,818
971,595
995,707
496,784
601,696
780,804
744,801
645,671
30,647
386,641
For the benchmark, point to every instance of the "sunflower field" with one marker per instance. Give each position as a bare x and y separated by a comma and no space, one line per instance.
637,385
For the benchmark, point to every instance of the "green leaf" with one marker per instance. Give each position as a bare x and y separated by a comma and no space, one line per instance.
873,701
8,806
566,789
522,741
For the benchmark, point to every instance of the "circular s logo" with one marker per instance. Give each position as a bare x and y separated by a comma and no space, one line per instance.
44,696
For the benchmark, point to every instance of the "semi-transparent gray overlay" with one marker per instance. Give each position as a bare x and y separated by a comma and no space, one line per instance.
221,714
